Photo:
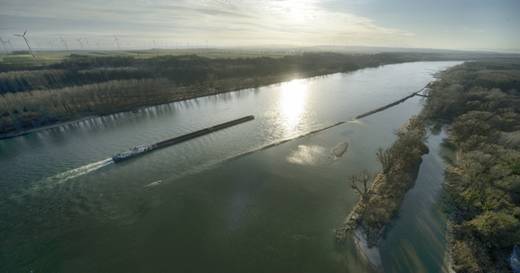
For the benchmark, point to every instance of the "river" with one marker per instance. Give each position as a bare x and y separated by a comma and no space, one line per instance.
201,207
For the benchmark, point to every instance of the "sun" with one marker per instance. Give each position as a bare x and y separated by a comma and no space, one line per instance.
294,11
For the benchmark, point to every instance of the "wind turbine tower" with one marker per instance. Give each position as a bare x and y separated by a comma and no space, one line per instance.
64,43
10,45
116,40
80,43
4,45
24,36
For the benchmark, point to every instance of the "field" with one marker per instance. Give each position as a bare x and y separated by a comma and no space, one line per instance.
50,57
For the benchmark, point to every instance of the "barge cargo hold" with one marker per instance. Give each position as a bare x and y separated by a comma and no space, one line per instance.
145,148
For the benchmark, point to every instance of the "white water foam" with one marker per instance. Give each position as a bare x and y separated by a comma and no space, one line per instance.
153,184
71,174
50,182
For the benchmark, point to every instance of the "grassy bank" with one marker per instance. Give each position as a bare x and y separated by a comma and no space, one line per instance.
479,102
35,94
380,201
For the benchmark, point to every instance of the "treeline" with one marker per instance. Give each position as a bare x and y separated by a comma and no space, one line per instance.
33,95
26,110
185,70
43,107
36,95
53,78
480,104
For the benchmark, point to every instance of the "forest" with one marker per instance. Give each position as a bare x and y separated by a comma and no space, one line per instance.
479,104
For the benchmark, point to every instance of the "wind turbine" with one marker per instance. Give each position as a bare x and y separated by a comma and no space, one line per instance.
80,43
26,42
4,43
117,42
64,43
51,43
10,45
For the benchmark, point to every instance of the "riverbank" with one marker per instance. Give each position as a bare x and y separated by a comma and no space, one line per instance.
480,104
380,202
167,95
42,128
79,86
89,85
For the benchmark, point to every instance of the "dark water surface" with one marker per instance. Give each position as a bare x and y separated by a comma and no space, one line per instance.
196,207
416,241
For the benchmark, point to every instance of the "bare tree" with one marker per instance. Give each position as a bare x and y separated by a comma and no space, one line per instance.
360,183
386,159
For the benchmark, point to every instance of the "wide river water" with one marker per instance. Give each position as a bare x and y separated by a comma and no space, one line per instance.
201,207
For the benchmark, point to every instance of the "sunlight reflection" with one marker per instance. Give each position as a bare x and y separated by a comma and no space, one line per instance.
292,103
308,155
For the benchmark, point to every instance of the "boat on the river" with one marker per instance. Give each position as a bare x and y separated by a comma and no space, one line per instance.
139,149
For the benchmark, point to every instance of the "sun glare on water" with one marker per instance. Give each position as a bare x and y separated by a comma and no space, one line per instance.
292,104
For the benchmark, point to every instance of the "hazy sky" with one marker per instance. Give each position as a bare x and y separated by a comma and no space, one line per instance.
464,24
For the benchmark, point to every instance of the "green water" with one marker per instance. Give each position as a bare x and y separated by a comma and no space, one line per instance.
197,207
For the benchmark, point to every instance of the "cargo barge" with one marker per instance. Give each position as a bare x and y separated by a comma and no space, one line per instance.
145,148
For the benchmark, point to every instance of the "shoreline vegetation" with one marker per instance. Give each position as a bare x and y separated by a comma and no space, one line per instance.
381,195
34,95
479,104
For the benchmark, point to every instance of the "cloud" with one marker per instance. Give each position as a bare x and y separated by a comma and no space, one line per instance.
241,22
